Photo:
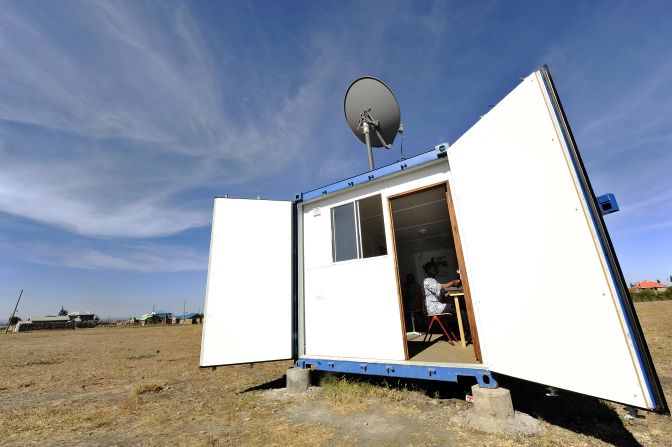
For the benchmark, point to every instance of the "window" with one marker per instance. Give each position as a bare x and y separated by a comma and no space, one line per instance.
358,230
344,230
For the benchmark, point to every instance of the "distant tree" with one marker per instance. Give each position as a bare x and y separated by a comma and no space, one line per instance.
63,312
14,320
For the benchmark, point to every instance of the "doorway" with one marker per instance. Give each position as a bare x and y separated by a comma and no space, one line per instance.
424,230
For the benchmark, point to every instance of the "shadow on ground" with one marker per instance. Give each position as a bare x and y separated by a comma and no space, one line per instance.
274,384
581,414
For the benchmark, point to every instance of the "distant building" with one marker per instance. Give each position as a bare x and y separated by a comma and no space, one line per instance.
70,321
188,318
649,285
154,318
44,322
49,319
144,319
84,319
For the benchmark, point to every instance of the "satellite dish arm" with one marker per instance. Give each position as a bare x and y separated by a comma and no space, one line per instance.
366,122
367,138
382,140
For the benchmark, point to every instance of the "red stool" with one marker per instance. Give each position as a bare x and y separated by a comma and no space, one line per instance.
435,318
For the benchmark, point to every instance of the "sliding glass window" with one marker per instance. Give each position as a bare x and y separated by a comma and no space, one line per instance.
358,229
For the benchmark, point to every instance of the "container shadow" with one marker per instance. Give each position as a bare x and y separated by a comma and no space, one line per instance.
575,412
274,384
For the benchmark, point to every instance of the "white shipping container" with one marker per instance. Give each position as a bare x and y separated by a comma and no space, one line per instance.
321,279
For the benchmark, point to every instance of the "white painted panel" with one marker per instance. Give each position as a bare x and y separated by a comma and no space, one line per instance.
351,307
248,301
352,310
545,305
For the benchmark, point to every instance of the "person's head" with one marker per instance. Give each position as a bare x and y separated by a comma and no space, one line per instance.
431,268
410,278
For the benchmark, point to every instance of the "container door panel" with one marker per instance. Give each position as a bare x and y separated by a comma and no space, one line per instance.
549,298
248,302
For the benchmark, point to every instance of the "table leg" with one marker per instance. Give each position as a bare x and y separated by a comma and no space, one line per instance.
459,322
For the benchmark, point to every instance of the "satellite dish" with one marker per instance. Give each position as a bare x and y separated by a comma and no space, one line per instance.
371,108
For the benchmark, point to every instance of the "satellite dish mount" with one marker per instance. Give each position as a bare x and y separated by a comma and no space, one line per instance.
370,107
366,123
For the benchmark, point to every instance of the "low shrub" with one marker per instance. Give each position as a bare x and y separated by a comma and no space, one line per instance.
650,295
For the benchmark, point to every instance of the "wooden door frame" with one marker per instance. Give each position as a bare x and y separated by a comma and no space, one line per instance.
463,273
460,263
395,259
396,270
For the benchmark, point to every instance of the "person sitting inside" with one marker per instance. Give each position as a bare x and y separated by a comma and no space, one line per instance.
435,301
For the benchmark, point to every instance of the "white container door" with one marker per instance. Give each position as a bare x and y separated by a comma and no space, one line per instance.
248,298
550,301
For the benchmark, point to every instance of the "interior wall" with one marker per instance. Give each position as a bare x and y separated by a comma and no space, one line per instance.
411,259
423,233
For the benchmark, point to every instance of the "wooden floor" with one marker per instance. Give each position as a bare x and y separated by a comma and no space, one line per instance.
439,350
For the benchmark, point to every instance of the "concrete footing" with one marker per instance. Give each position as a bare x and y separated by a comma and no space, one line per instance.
298,379
493,402
493,413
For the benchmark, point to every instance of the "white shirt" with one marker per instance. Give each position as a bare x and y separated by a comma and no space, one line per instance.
434,301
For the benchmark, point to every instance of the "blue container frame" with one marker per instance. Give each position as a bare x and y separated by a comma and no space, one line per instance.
418,160
426,372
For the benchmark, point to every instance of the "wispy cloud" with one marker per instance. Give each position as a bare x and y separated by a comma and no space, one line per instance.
644,228
126,256
107,124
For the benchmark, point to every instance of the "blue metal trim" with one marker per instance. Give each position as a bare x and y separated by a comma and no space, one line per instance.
427,157
631,321
607,203
295,281
426,372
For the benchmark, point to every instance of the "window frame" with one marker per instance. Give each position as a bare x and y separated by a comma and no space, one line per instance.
358,229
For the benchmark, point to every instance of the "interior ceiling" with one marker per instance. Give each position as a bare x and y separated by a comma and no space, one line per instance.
421,216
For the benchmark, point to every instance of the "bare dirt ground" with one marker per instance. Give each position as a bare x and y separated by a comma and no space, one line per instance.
142,386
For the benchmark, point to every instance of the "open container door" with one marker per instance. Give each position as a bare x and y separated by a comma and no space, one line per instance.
550,300
248,298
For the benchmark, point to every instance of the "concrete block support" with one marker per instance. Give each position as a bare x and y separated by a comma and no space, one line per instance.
493,413
493,402
298,379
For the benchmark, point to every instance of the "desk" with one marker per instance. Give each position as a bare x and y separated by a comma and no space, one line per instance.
456,294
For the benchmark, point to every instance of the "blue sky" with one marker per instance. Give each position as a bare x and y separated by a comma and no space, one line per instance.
120,121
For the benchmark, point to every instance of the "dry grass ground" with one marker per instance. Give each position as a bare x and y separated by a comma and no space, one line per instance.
142,386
